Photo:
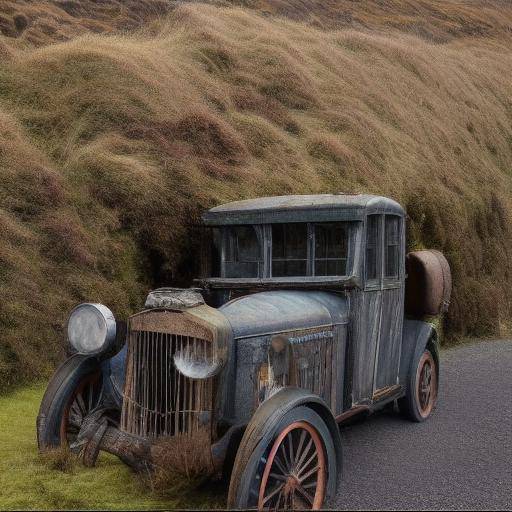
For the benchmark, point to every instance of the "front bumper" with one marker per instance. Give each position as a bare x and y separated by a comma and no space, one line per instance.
184,453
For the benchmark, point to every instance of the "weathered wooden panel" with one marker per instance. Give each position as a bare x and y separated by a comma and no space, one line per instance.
365,307
388,354
313,360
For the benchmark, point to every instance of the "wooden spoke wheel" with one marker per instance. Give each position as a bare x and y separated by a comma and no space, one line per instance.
74,391
285,461
422,388
84,400
295,473
426,384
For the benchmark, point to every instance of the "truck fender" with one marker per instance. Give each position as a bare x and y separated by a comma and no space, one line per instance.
57,392
115,369
417,336
64,377
270,412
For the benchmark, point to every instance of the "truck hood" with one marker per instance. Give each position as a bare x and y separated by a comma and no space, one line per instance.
278,311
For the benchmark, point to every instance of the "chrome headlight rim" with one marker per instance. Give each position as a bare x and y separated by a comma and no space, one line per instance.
106,329
197,367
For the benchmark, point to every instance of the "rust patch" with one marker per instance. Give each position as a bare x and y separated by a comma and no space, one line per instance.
429,283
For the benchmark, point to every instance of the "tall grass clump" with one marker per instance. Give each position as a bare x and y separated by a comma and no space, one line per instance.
112,145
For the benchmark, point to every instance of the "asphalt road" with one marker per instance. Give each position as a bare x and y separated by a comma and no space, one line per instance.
460,459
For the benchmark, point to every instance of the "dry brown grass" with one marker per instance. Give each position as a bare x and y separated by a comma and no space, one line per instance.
435,20
60,459
180,458
112,145
29,22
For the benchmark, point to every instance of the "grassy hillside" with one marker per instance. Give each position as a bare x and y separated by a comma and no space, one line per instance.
112,144
30,482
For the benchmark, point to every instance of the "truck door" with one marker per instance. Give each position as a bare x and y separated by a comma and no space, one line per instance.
366,310
378,310
387,360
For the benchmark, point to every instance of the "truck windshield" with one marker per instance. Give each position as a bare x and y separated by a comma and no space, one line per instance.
331,248
293,250
314,249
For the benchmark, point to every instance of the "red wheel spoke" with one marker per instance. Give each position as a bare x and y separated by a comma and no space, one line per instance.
305,453
285,457
280,466
308,474
279,500
305,494
306,464
303,435
279,477
273,493
289,438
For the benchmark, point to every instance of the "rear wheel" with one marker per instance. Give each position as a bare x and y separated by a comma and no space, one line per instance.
289,470
421,396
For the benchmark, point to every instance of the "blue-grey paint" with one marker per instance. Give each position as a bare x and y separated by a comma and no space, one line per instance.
301,208
284,311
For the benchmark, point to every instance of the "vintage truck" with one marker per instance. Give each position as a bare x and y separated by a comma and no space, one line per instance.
308,312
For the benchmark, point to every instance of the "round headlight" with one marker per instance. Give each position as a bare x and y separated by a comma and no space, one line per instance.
91,328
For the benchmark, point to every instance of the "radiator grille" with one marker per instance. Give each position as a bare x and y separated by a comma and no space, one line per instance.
158,400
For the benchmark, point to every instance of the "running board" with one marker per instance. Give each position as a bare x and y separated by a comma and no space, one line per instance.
382,395
354,411
387,393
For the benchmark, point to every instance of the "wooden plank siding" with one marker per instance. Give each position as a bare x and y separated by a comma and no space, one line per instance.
388,358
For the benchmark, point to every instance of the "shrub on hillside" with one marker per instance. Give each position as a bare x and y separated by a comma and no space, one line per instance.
113,145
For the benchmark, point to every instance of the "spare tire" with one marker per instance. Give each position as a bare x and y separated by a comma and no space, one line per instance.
428,285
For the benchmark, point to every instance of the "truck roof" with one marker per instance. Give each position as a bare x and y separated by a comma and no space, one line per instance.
301,208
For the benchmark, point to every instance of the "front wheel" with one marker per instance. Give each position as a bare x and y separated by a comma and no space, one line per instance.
292,469
74,392
422,390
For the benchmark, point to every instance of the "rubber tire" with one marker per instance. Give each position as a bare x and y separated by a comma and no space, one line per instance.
408,406
59,392
245,471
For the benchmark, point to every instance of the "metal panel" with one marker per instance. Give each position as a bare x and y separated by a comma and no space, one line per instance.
301,208
283,311
317,364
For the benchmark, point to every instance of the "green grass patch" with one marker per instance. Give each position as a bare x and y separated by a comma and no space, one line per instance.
27,481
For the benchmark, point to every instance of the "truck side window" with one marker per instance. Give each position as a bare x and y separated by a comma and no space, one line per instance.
243,252
392,240
289,250
372,247
331,249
